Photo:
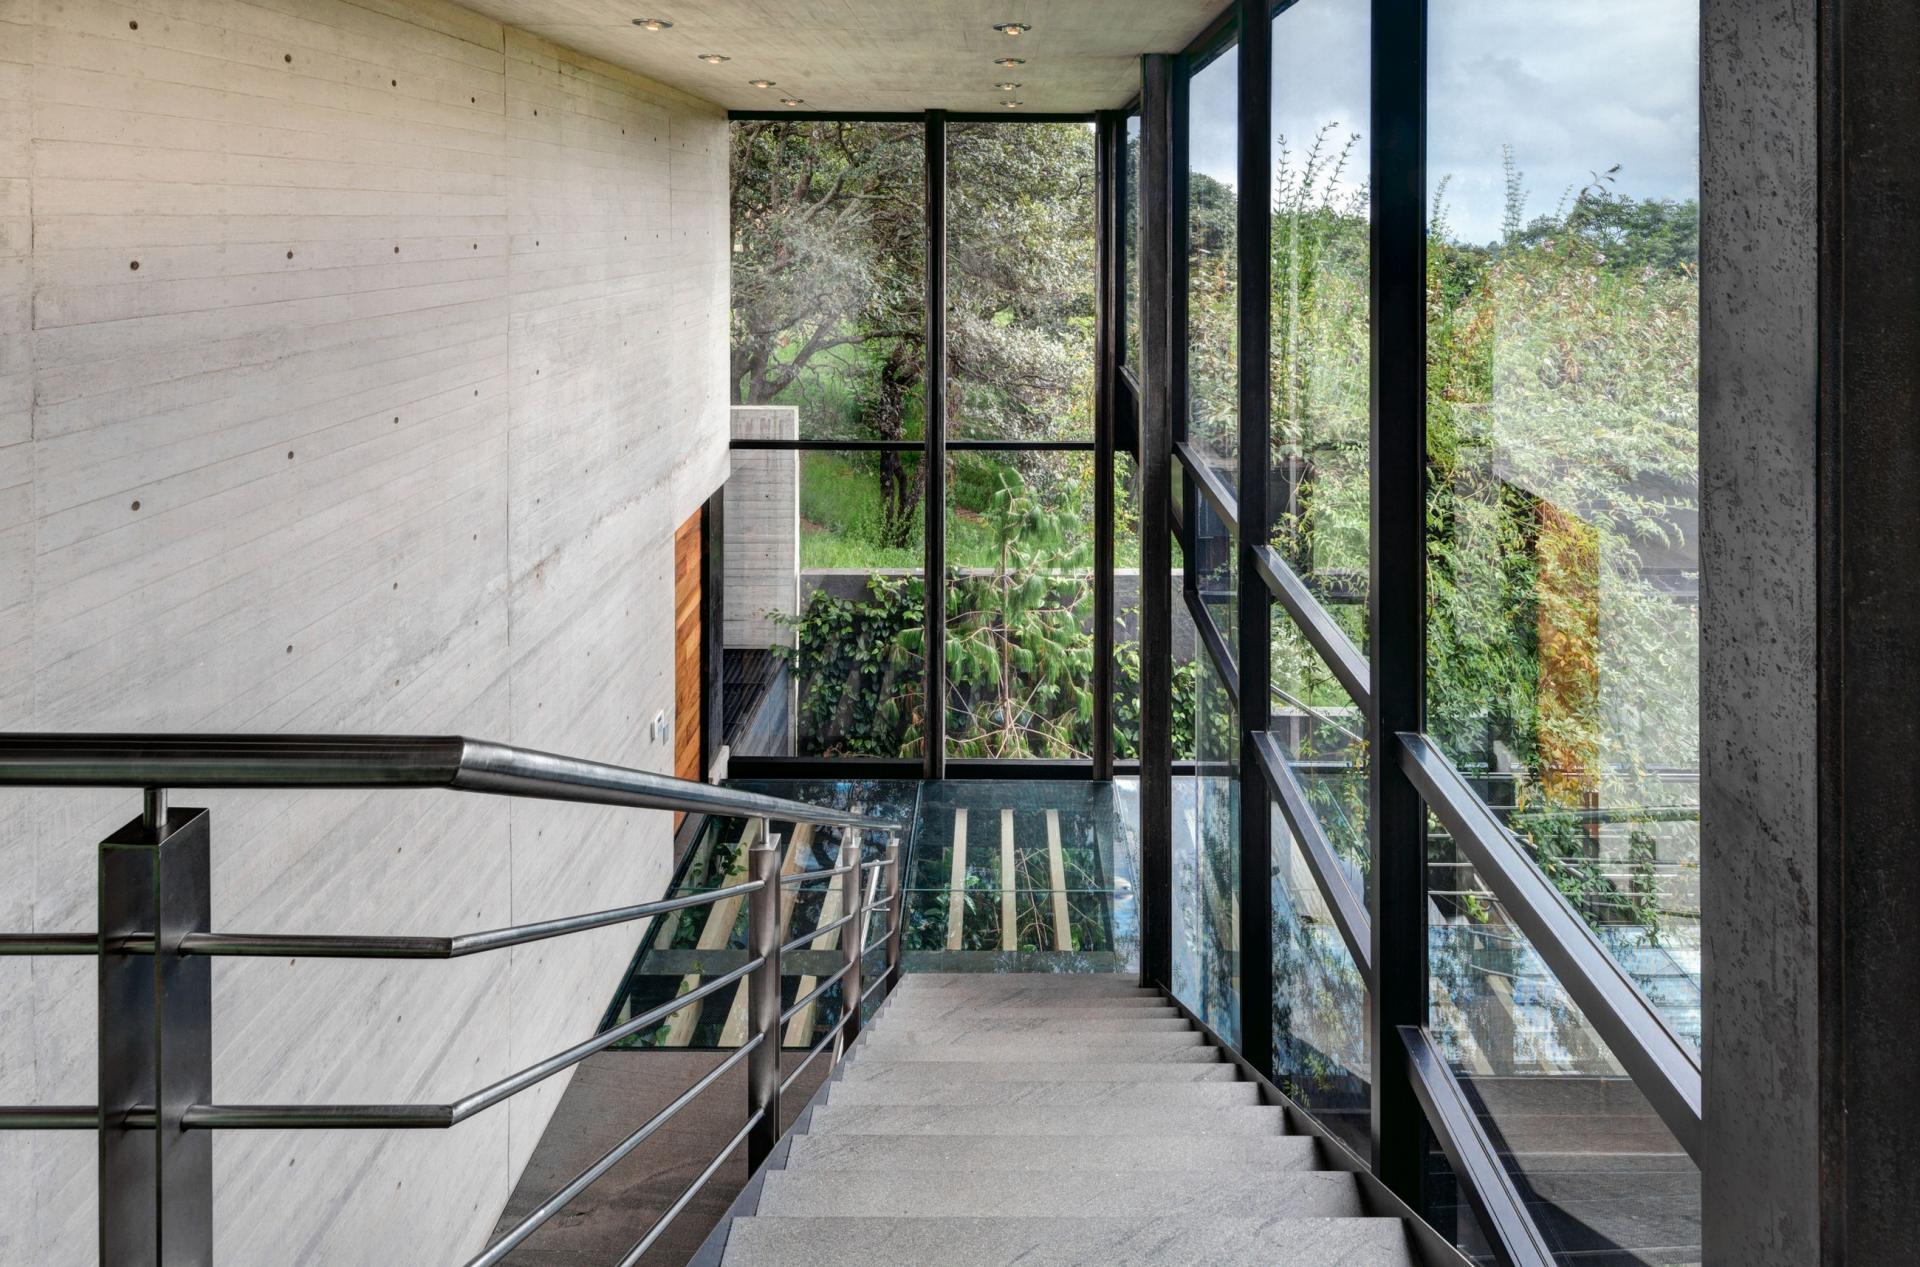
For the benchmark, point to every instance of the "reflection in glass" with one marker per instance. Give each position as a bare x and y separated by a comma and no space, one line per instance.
1320,1009
1216,571
1020,281
1598,1168
829,275
1206,862
1213,411
1319,341
1563,563
1324,736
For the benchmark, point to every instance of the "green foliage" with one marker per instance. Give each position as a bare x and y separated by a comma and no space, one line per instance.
857,665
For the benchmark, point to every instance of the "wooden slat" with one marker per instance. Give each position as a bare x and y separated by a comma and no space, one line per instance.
839,899
734,1031
714,935
1057,876
957,889
1009,908
688,682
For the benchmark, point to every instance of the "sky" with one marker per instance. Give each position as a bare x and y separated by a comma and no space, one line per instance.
1573,89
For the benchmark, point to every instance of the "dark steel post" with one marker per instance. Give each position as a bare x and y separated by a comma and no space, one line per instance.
1253,215
1156,543
934,726
897,913
1398,575
763,997
155,1031
1109,171
854,945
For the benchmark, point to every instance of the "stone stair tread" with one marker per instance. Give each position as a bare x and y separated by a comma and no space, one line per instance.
934,1009
872,1069
1219,1193
1060,1050
1016,1119
973,1094
767,1241
843,1151
942,1029
908,1036
1024,980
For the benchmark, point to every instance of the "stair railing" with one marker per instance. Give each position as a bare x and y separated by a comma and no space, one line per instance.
156,1110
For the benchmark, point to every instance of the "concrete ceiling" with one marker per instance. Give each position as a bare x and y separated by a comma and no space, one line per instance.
875,54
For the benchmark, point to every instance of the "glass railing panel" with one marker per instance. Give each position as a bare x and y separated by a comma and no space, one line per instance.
1599,1170
1206,861
1321,1013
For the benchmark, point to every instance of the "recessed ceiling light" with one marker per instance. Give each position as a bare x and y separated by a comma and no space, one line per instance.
1012,28
1008,87
760,83
714,59
793,101
1010,62
652,24
1013,105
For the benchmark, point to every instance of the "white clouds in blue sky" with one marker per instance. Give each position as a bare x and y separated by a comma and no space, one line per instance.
1573,88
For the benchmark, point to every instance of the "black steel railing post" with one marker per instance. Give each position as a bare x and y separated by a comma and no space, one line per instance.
763,998
155,1035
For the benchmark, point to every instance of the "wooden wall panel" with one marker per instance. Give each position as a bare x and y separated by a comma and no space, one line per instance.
423,359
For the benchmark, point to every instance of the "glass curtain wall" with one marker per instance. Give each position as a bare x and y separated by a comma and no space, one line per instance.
1021,276
828,519
1561,305
825,542
1563,571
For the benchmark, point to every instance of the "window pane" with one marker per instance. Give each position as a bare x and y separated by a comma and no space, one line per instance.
1020,604
1563,554
1602,1175
1319,490
1020,281
1206,864
1324,736
1320,1007
852,655
1126,608
829,274
1213,413
1216,570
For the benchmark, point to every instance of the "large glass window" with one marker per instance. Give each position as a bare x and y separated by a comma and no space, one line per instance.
1563,556
1206,863
1019,521
1130,246
1563,571
1213,410
1319,335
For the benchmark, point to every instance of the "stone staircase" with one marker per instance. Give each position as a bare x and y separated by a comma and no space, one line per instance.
1047,1120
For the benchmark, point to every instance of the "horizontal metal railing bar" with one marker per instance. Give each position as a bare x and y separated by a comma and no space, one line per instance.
878,864
1661,1065
49,1117
379,761
559,1201
1317,625
1318,714
438,1116
1212,487
800,1004
867,994
674,1211
821,931
1350,917
297,946
1484,1182
806,877
49,943
825,1040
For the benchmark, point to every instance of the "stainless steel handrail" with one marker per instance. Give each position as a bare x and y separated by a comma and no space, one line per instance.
379,761
362,1116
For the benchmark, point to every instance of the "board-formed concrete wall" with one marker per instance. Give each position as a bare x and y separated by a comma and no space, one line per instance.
761,559
356,363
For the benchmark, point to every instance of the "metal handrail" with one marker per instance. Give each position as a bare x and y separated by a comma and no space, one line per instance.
153,905
380,761
1316,624
362,1116
1664,1068
1350,916
581,1182
1489,1190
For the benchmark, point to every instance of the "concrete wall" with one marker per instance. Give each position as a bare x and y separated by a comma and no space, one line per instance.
422,360
762,550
